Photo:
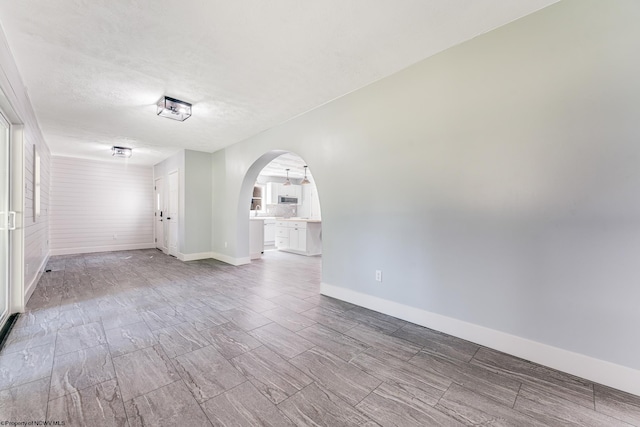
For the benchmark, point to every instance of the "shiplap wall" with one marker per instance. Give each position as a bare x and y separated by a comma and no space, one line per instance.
100,206
36,233
36,230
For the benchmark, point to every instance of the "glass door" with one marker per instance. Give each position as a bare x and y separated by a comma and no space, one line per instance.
7,220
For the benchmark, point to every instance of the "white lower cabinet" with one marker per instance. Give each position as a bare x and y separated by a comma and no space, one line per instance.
282,242
299,237
256,238
269,231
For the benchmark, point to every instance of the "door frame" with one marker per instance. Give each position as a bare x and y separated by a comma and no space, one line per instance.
168,191
17,296
162,246
5,279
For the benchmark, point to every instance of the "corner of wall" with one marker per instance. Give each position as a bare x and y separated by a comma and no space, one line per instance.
230,260
31,286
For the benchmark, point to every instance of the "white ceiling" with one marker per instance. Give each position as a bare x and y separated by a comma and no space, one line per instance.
278,167
95,69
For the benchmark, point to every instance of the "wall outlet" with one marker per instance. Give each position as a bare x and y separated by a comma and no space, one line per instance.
115,237
225,244
378,275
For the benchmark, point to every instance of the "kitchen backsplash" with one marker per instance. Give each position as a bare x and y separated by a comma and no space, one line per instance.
280,210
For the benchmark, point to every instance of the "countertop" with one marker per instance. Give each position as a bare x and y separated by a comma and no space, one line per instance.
299,220
262,218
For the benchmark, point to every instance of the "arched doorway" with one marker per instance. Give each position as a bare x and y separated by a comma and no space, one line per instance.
259,208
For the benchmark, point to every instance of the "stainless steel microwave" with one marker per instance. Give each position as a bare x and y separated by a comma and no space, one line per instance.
284,200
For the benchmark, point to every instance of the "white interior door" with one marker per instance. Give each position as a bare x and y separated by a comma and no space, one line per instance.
160,212
7,220
172,214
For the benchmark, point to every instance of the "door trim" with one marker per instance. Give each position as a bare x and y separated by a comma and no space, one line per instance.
162,246
19,295
5,275
177,247
17,292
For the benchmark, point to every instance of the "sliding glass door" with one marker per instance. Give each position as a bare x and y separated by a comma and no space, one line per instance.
7,220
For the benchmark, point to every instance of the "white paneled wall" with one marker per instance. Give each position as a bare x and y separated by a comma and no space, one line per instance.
36,230
32,257
100,206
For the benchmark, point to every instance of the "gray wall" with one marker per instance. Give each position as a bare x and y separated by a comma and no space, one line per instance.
195,198
198,202
514,199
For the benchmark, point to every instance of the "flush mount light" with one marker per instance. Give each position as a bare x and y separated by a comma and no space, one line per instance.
305,180
287,182
121,152
175,109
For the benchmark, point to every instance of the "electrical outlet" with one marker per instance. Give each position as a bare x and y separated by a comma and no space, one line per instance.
378,275
225,244
115,237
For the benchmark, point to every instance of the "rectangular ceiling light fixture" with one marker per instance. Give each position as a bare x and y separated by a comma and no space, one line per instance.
175,109
121,152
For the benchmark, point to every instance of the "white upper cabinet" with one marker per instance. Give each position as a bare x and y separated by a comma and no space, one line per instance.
304,208
292,190
275,190
310,204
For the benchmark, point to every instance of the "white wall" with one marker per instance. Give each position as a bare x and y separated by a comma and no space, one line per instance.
34,239
513,216
100,206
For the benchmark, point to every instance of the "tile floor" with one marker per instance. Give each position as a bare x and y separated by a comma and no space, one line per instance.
138,338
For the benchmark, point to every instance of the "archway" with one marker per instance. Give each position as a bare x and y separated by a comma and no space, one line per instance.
246,193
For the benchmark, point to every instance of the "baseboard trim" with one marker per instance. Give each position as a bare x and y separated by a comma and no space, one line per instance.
230,260
597,370
31,287
194,257
111,248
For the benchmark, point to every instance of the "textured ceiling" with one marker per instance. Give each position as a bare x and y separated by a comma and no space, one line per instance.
278,167
95,69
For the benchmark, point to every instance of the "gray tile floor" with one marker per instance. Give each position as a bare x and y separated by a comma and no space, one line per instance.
138,338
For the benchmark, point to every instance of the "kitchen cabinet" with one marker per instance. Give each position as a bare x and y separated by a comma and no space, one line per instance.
276,189
273,192
292,190
299,236
256,238
304,209
269,231
298,239
310,205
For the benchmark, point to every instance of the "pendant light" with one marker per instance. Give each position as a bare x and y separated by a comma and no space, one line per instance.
305,180
287,182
